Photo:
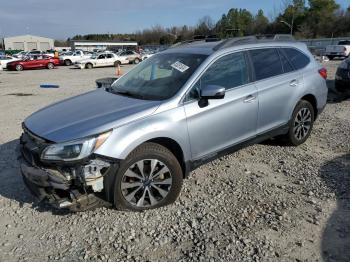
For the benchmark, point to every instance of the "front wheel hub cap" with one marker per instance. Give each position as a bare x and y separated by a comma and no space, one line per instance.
146,183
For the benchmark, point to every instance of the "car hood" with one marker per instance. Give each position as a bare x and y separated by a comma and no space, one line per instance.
87,114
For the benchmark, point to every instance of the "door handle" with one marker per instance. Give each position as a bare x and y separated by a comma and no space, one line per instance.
249,99
294,83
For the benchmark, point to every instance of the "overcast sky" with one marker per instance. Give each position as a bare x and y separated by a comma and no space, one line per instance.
66,18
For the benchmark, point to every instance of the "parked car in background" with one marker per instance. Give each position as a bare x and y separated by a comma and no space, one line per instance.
23,54
132,144
145,55
342,76
132,56
33,62
20,54
342,49
69,59
5,59
101,60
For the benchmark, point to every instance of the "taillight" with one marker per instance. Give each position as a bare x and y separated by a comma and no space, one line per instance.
323,73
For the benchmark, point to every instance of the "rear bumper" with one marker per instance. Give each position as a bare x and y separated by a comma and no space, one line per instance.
343,84
342,78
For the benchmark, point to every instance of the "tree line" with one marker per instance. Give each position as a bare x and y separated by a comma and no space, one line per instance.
303,19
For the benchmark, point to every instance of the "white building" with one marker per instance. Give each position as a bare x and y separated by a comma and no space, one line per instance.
103,45
28,43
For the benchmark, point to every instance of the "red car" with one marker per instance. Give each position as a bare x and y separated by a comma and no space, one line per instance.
33,62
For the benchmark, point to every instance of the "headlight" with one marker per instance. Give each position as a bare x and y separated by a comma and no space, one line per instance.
74,150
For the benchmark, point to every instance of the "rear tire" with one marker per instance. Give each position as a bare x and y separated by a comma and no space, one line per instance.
301,124
158,184
50,66
19,67
67,62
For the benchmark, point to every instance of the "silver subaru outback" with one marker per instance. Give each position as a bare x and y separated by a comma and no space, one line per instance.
132,144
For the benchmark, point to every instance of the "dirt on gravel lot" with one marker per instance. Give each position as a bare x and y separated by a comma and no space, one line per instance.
264,203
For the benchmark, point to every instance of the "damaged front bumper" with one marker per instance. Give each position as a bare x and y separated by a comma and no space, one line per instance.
75,186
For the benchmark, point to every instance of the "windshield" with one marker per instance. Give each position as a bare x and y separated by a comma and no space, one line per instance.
159,77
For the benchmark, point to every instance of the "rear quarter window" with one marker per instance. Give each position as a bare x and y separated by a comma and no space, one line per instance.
297,58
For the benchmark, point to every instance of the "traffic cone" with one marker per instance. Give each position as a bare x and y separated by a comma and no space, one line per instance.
118,71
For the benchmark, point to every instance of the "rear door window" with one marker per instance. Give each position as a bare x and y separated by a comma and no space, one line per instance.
297,58
266,63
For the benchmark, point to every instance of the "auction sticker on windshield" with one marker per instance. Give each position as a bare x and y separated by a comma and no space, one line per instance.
180,66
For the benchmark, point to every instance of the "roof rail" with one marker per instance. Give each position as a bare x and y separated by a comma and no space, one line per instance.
185,42
276,37
234,41
198,38
252,39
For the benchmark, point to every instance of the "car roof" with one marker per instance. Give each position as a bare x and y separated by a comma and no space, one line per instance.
210,46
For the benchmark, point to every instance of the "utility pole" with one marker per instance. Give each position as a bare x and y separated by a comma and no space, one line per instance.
291,24
2,37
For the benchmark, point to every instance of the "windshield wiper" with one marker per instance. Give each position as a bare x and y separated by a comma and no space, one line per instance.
127,93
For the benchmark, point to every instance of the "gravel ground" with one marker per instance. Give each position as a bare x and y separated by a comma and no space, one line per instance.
263,203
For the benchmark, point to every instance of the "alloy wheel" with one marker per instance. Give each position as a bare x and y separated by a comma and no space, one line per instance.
19,67
302,123
146,183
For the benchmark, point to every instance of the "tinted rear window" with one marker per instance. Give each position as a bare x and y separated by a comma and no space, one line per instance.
266,63
297,58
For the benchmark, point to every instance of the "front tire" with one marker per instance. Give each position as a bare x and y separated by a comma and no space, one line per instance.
136,61
50,66
19,67
150,177
88,66
67,62
301,124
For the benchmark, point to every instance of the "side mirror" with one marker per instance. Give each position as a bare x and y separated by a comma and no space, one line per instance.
105,82
212,92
